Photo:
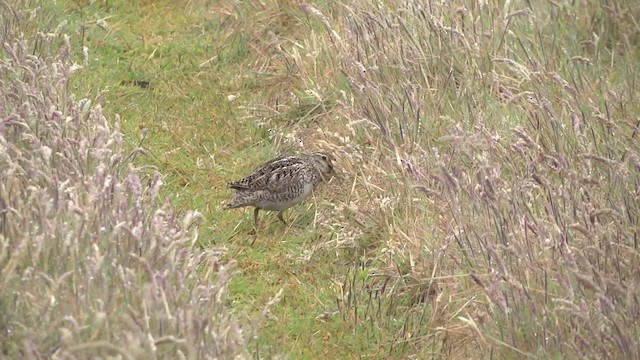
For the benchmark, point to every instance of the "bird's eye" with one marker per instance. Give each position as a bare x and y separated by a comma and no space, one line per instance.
325,157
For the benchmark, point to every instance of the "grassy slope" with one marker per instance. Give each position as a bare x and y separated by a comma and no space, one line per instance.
200,141
473,92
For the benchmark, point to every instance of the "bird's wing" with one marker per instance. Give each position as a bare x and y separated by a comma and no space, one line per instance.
285,178
267,175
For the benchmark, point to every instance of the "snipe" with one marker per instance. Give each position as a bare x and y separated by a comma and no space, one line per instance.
281,183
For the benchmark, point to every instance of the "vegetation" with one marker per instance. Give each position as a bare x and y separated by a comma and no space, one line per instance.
487,205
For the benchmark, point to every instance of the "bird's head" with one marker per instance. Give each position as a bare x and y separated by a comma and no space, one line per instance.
322,162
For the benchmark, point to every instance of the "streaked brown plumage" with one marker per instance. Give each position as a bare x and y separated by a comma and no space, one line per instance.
280,183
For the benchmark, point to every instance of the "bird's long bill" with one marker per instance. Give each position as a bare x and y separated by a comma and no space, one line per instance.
332,174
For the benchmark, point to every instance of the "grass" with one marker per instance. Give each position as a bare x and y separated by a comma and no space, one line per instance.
489,158
87,248
200,141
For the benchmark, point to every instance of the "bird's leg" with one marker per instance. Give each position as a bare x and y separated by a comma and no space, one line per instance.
281,218
255,230
255,217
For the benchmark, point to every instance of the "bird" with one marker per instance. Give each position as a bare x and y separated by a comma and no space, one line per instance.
280,183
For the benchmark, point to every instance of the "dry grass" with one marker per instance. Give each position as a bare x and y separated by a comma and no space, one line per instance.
491,156
488,206
93,264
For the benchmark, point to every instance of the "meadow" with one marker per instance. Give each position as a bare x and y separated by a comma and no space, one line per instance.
486,206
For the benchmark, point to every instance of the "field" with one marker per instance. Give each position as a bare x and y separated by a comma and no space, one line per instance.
486,206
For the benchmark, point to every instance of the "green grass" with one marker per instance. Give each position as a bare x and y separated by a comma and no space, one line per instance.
200,141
